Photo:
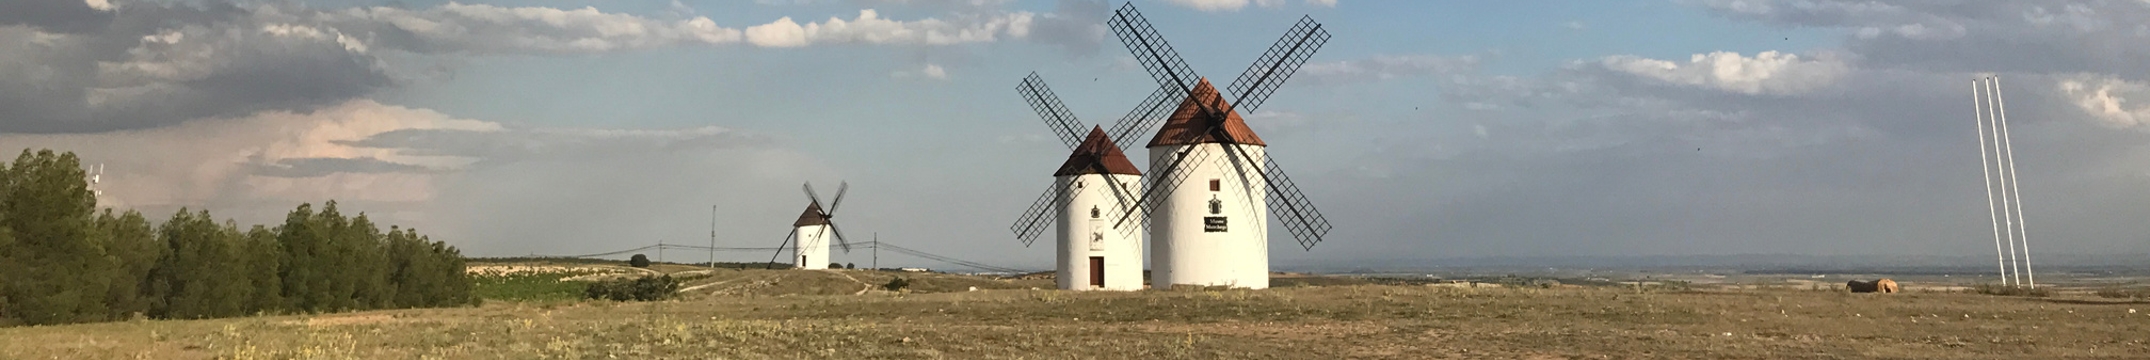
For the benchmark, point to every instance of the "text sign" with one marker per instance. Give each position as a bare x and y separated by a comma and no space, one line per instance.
1213,224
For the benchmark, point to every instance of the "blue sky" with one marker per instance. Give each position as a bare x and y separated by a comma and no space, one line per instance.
1424,129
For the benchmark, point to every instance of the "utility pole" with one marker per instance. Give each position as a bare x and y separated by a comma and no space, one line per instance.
877,250
712,237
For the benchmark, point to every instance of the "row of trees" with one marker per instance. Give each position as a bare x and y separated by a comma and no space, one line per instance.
62,261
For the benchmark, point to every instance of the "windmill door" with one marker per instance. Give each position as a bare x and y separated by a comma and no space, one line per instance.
1097,272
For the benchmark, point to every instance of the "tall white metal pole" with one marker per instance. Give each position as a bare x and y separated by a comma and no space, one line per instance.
2015,187
2008,218
1978,112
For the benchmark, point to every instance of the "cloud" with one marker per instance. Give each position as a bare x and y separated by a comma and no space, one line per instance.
2111,101
930,71
1235,5
1323,3
1768,72
1386,67
870,28
2043,36
488,29
153,66
83,68
1077,26
488,187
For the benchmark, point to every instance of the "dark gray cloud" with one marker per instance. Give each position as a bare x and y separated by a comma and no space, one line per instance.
62,16
154,64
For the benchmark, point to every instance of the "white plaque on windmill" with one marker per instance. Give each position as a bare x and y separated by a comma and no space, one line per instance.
1213,224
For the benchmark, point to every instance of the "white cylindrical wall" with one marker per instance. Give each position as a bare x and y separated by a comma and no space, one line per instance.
1184,247
813,247
1086,230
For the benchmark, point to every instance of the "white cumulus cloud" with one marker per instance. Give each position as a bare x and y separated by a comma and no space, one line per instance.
870,28
2113,102
1768,72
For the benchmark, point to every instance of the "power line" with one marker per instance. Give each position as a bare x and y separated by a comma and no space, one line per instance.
876,245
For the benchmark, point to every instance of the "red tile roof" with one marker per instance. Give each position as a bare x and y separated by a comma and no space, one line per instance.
1187,126
812,216
1097,155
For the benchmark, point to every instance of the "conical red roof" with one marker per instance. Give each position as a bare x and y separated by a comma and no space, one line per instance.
1187,119
812,216
1097,155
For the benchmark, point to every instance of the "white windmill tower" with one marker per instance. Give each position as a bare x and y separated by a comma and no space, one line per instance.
96,177
1217,233
813,231
1095,182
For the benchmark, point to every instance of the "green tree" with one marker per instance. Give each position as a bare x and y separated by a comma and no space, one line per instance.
264,260
638,261
56,273
369,270
195,278
306,262
132,248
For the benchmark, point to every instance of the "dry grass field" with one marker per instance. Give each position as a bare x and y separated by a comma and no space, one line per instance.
765,314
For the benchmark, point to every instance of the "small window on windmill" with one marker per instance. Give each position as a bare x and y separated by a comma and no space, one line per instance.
1216,185
1093,211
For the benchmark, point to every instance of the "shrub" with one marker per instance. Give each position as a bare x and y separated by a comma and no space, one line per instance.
638,261
651,288
836,266
850,266
2124,293
897,284
1995,289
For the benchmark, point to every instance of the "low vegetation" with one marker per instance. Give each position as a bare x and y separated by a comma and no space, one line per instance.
1344,321
1996,289
646,288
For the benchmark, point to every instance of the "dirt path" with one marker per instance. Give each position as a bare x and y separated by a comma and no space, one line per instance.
703,286
862,291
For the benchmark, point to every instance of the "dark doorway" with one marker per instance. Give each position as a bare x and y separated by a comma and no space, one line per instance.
1097,272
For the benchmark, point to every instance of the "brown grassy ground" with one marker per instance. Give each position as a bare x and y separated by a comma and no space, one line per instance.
1349,321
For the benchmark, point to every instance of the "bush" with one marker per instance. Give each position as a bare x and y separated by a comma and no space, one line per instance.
651,288
897,284
638,261
850,266
2124,293
1995,289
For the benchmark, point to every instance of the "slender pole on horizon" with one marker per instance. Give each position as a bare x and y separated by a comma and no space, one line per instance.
877,250
2008,218
2015,190
712,237
1978,111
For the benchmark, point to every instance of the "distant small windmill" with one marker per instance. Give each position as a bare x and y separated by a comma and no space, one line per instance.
97,177
813,230
1096,180
1193,235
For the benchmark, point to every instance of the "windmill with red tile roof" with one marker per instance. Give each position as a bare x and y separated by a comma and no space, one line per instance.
1096,182
1216,234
